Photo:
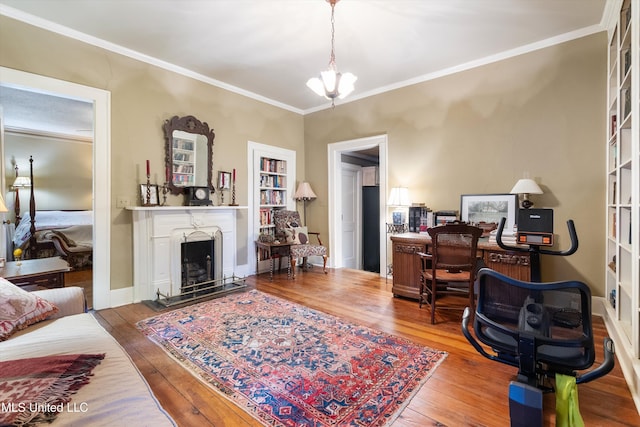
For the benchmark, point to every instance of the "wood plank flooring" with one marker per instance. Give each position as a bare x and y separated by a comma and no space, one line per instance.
465,390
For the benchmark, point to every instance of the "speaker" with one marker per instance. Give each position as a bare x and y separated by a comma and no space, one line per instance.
535,227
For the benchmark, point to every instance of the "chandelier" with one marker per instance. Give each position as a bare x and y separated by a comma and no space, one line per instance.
331,84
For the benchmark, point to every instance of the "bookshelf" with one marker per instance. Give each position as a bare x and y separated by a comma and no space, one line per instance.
622,276
273,178
272,185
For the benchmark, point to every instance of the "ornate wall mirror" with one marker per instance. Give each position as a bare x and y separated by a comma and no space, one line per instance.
189,153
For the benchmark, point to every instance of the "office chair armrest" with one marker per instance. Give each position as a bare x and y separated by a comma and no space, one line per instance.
466,318
604,368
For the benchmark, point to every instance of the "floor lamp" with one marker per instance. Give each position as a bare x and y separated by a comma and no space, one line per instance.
304,193
20,182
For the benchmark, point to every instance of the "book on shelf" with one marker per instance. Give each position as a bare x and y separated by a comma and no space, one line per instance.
614,122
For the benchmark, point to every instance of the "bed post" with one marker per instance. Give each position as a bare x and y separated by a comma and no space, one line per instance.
33,242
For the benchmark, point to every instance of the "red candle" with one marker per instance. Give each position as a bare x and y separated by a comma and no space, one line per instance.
148,168
234,175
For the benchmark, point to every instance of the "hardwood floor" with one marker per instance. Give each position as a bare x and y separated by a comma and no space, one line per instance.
84,279
465,390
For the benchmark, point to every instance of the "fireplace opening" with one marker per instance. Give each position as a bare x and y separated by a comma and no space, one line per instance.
198,260
200,264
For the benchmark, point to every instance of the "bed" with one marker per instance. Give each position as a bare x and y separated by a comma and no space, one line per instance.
65,233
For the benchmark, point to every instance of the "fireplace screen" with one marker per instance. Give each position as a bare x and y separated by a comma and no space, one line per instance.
201,259
201,268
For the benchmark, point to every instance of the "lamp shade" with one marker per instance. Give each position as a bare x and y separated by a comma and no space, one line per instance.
3,207
304,192
22,182
526,186
399,196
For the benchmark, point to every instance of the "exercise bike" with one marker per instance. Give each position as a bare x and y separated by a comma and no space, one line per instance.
542,329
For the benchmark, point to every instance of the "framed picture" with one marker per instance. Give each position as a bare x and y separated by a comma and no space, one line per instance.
224,180
151,198
489,208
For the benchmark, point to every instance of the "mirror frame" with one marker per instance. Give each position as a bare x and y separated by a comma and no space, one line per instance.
191,125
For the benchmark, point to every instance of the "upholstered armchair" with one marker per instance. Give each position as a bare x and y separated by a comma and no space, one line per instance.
289,229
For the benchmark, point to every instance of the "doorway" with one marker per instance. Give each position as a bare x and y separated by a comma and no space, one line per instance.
101,165
337,153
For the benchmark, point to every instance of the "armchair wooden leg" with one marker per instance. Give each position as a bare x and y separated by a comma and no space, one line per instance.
324,264
293,267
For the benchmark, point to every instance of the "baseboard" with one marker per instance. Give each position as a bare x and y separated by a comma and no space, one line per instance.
120,297
629,364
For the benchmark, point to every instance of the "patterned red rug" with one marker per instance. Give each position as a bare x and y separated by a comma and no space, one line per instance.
288,365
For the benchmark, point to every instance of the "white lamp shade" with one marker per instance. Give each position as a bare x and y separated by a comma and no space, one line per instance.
526,186
399,197
22,181
304,192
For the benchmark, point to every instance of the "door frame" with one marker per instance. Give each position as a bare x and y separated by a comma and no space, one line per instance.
335,151
101,166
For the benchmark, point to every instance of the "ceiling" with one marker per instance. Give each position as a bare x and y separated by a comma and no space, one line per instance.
269,49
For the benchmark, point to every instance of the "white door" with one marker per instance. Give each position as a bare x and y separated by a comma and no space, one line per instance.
351,202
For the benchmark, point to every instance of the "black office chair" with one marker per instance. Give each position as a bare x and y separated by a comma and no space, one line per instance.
540,328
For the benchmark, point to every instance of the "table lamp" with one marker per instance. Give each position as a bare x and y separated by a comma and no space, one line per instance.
526,186
304,193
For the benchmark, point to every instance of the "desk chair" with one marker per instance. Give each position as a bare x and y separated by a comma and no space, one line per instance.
450,268
288,229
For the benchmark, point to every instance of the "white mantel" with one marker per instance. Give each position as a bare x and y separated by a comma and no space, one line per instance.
157,232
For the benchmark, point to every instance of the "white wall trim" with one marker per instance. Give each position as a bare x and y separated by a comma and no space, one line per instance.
255,150
629,364
101,166
334,152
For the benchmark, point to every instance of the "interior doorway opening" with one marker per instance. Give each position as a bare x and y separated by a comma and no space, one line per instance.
349,241
101,176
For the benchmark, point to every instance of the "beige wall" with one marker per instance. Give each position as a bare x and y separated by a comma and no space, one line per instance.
478,131
474,132
61,172
142,97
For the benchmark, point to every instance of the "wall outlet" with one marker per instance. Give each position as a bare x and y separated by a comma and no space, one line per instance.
123,202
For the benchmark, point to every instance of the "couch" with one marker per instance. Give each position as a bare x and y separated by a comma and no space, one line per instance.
117,393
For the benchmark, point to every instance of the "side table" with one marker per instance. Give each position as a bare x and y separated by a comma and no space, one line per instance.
34,274
271,251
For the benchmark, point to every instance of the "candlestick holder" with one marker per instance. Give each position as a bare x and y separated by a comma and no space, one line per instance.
148,199
165,191
233,195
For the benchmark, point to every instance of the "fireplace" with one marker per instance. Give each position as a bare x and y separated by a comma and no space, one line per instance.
200,260
158,237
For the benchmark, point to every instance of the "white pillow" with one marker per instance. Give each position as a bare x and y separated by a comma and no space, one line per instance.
297,235
19,309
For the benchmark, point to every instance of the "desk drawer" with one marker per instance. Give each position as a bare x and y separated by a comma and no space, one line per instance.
512,264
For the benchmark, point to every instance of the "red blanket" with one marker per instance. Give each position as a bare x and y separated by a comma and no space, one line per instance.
38,389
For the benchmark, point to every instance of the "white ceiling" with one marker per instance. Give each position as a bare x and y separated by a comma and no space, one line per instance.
268,49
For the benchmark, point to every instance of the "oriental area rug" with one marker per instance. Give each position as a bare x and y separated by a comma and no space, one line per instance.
289,365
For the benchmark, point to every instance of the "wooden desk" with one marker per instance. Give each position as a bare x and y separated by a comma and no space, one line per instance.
271,251
406,264
34,274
